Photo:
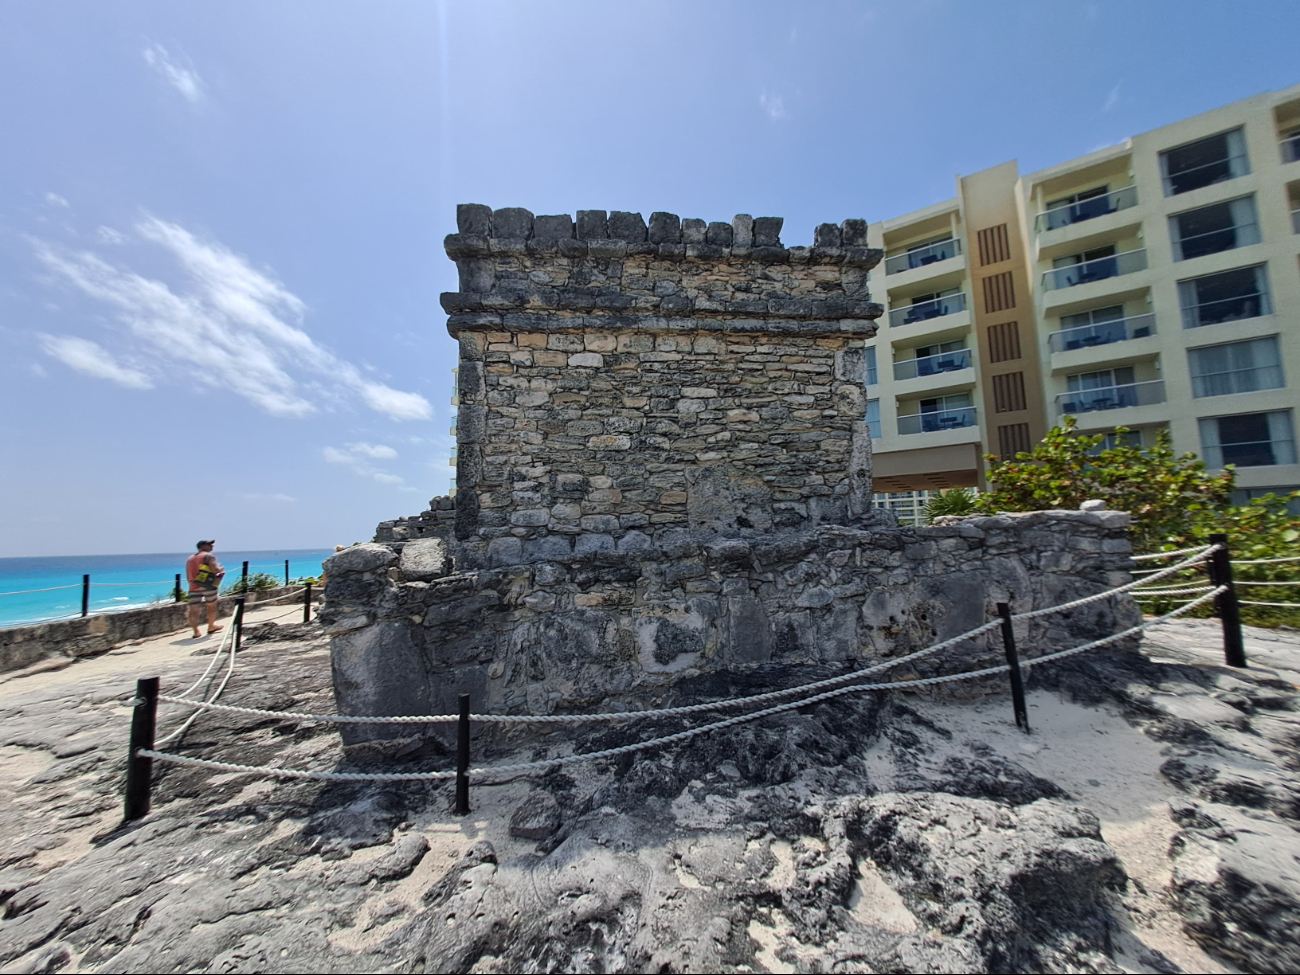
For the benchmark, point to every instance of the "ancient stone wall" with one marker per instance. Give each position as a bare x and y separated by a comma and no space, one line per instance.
617,380
622,629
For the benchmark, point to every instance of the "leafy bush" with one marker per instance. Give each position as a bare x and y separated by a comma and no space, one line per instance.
256,582
1160,489
1175,503
954,501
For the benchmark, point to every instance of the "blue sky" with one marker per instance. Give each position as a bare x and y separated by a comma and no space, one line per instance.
221,224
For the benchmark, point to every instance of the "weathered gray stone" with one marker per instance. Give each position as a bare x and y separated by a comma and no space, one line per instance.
826,235
474,218
536,818
512,222
665,228
742,230
719,234
424,559
693,231
853,233
366,557
767,231
559,226
592,225
627,226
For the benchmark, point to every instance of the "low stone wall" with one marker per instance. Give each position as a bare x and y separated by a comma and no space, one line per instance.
90,635
624,628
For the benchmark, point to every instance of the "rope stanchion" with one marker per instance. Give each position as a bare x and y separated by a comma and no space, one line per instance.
139,766
1013,668
462,758
1225,602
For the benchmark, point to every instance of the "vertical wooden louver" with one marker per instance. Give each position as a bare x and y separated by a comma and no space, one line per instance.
999,292
1009,392
1004,342
1013,439
994,245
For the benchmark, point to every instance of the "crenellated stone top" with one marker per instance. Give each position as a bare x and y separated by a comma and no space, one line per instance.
520,272
596,234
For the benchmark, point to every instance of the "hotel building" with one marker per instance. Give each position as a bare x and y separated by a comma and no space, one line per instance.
1152,285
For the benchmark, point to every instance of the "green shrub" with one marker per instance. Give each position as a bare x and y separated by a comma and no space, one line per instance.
256,582
954,501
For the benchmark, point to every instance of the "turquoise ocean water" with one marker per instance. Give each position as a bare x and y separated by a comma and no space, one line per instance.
122,581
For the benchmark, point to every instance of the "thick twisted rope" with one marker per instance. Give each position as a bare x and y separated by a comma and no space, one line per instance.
275,771
1169,555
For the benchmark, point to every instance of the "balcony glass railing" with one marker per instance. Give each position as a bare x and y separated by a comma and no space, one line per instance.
1089,209
1095,270
923,310
1102,333
1214,241
1295,221
1250,305
936,420
1206,174
940,250
1290,147
1110,397
932,365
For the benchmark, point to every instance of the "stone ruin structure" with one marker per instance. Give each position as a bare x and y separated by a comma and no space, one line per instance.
664,471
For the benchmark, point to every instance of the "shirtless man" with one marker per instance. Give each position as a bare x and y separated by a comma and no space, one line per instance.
204,573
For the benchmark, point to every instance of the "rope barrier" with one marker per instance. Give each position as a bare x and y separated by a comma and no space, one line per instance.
165,582
1171,592
230,629
47,619
1242,582
24,592
608,716
276,771
1254,602
1166,555
1107,593
1290,558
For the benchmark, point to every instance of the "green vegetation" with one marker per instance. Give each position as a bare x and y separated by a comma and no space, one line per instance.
256,582
954,501
1175,503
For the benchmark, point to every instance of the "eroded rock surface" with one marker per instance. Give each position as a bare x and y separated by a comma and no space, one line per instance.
1145,825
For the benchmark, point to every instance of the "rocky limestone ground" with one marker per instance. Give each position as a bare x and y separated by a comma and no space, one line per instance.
1148,823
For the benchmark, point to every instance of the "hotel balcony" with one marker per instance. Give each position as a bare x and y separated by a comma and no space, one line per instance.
1081,403
939,421
1123,339
1081,225
937,318
1081,284
944,372
943,257
1290,147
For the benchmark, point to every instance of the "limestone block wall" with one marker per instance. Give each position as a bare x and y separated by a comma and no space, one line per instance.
618,628
618,380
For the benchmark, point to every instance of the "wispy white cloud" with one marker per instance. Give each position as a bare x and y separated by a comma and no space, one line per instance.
377,451
93,359
773,105
227,325
184,80
262,496
110,236
54,200
1112,99
357,457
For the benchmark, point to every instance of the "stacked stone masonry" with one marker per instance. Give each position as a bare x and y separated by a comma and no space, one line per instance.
617,380
663,477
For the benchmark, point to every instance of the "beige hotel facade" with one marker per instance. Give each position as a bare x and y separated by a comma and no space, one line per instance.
1152,285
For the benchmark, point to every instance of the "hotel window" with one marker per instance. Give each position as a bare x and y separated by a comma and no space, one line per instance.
873,418
1224,297
1215,228
1248,440
1204,162
1078,206
873,376
1104,389
1236,367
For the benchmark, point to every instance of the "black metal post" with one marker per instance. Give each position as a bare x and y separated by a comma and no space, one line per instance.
177,591
1013,661
85,595
239,622
462,758
1225,603
286,572
244,576
139,768
306,605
